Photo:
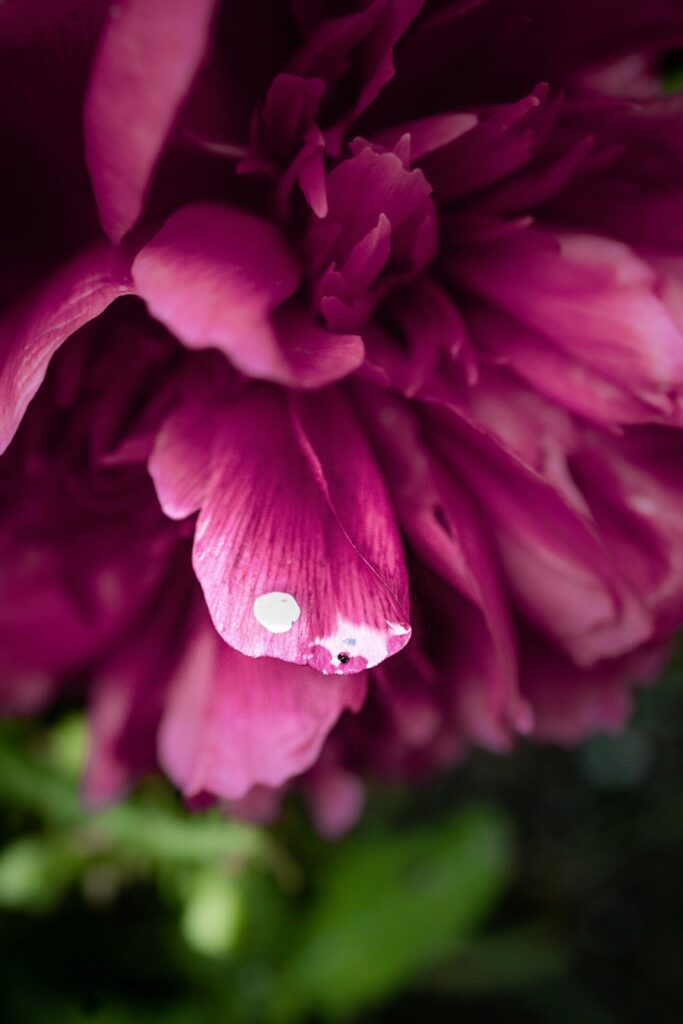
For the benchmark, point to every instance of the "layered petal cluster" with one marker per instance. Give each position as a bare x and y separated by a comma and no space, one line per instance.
341,381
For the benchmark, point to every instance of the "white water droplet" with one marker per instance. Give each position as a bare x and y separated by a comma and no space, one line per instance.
277,612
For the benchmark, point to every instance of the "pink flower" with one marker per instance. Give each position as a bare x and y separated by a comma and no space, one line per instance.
312,308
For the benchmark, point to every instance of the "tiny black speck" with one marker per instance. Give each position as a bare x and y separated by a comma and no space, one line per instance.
344,658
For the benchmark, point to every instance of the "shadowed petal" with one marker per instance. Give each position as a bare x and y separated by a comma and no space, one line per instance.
32,332
571,703
339,47
444,528
148,57
513,457
129,688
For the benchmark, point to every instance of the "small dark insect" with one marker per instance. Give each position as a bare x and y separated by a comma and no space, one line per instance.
344,658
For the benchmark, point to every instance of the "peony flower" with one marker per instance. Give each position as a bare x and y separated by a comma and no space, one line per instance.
341,381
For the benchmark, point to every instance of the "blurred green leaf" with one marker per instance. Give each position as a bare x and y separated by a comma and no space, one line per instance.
36,871
212,913
160,834
67,746
388,905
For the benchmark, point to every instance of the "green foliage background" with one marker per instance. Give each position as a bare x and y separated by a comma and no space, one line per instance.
538,887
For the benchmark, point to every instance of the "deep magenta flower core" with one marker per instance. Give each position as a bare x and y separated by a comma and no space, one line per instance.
341,381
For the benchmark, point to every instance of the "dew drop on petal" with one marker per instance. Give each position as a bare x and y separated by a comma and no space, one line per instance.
277,612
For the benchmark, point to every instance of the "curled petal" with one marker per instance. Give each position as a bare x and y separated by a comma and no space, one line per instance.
592,297
426,331
148,57
295,546
445,529
428,134
365,39
33,330
558,569
557,374
490,150
233,723
360,190
632,485
214,275
311,355
218,277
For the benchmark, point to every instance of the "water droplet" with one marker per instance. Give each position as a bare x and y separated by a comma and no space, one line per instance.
276,611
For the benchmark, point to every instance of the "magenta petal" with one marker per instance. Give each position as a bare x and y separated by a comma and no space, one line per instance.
232,723
570,704
592,297
181,460
295,546
362,41
558,375
558,570
218,277
34,329
429,328
633,487
214,276
445,529
290,109
129,688
491,150
428,133
360,189
336,798
312,355
148,57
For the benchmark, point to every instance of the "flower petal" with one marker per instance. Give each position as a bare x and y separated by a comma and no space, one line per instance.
591,296
34,329
148,57
442,524
218,277
558,570
362,188
129,688
311,355
570,704
632,484
232,723
295,546
561,377
356,49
